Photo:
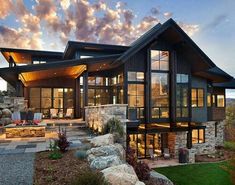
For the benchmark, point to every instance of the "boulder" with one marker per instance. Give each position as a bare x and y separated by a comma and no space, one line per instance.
139,183
160,179
106,139
121,175
6,121
0,113
6,113
103,162
106,150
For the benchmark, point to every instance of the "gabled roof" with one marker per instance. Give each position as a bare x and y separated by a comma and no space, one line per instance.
153,33
73,46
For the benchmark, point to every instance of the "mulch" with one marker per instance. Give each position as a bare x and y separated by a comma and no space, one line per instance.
57,172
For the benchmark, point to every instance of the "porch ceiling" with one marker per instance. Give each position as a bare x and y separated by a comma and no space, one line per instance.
71,72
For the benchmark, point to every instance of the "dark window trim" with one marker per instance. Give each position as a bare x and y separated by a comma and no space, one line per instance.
198,135
197,106
216,129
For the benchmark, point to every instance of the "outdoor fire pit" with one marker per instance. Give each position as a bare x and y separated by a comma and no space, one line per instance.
13,131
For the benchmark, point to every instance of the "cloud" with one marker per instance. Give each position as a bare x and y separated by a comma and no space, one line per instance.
168,15
190,29
4,8
216,21
81,20
19,38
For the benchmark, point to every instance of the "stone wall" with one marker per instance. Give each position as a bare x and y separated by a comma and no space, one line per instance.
210,140
203,148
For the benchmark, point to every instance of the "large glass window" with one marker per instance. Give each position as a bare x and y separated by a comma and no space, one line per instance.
46,98
43,99
136,76
136,98
160,95
159,60
198,136
197,97
208,99
182,95
34,101
220,101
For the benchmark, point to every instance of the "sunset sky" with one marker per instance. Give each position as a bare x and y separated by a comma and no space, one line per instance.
49,24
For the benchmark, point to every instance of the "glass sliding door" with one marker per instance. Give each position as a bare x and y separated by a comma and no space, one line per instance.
43,99
46,101
153,144
34,101
58,100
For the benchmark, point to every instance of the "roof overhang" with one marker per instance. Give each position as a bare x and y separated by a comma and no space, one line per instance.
24,56
227,85
67,68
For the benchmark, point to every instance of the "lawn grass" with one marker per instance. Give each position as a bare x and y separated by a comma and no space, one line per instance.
195,174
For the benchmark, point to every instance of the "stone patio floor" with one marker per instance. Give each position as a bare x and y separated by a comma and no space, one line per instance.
161,162
75,136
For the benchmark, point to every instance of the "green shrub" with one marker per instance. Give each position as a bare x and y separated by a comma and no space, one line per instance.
114,125
81,154
229,145
54,151
90,178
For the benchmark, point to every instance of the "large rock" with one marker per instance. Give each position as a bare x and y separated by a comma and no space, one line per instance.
6,121
103,162
6,113
121,175
160,179
106,139
106,150
139,183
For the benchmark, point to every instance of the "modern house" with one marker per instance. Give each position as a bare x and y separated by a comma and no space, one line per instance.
171,86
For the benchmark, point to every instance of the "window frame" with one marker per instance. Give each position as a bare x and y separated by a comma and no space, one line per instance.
198,136
197,98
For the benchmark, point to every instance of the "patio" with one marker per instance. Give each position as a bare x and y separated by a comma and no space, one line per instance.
74,129
161,162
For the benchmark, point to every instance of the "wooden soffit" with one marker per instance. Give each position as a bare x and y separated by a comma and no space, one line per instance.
69,72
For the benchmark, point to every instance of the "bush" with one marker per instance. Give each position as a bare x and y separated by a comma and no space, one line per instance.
54,151
114,125
81,154
90,178
141,168
229,145
63,143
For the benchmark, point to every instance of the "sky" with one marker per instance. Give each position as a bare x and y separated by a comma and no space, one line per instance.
49,24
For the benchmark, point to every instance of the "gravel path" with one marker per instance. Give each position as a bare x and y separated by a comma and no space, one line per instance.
16,169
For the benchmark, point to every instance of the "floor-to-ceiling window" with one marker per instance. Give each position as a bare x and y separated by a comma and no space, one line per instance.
182,104
43,99
136,94
159,84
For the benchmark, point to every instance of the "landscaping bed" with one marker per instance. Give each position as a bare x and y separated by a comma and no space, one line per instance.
220,155
60,171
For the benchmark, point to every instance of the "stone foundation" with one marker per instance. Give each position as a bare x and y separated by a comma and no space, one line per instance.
25,131
178,140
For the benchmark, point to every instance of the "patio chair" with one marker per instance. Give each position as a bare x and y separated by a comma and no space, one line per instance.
16,118
152,155
54,113
37,118
69,113
30,116
166,153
